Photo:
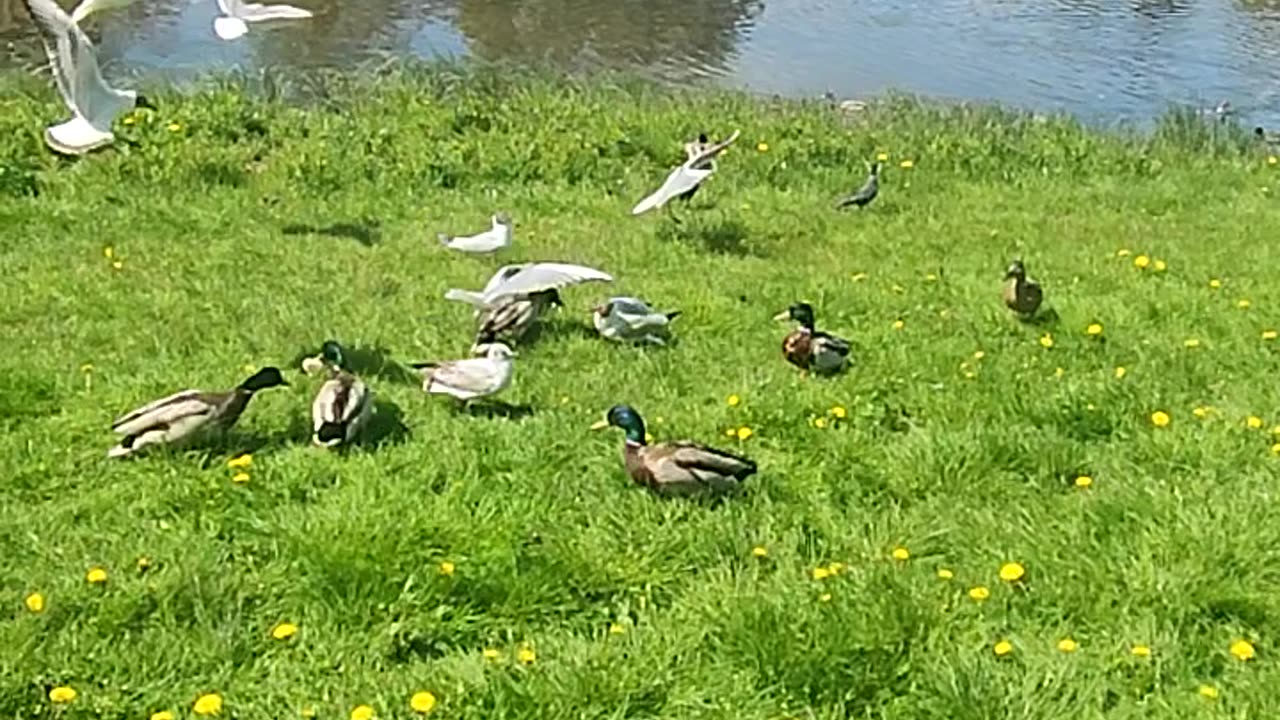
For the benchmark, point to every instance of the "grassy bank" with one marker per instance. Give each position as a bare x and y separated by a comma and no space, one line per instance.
243,232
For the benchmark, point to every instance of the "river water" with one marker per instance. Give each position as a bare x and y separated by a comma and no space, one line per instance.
1102,60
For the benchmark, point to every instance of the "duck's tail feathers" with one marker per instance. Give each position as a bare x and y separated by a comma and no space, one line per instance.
329,434
444,239
674,314
119,451
424,365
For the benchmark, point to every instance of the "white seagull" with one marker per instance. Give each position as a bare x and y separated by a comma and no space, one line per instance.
628,319
470,378
491,240
522,280
94,105
685,178
237,14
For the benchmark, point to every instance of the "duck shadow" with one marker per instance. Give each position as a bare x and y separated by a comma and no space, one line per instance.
1046,318
497,409
366,231
386,426
367,362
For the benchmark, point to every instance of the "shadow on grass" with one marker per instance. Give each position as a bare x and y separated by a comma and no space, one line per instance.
723,236
386,427
367,232
497,409
367,362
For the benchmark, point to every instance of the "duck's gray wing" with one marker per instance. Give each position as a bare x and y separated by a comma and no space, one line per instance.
167,411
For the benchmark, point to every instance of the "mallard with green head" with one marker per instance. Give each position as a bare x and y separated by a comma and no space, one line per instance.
344,403
674,468
186,416
809,348
1021,295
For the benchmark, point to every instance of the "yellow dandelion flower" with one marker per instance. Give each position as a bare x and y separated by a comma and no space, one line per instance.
945,574
839,412
760,551
979,355
129,120
1141,262
162,715
836,567
240,462
35,602
1208,692
730,432
240,478
931,277
1094,329
820,422
1253,422
1059,372
1201,412
1067,645
1215,283
882,157
96,576
490,654
447,568
209,704
308,712
1122,252
1160,419
1046,341
824,597
1140,651
108,252
1275,430
733,401
907,164
617,629
1012,572
1084,481
1002,648
1275,449
1243,304
118,265
762,147
526,655
284,631
1191,342
62,694
564,399
979,593
1160,266
175,127
1120,372
898,324
362,712
1272,160
422,702
901,553
821,573
1269,335
745,432
1243,650
143,563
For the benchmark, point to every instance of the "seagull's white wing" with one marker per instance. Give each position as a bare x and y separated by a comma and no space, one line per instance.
255,12
75,66
504,273
466,296
680,181
230,7
88,7
544,276
55,25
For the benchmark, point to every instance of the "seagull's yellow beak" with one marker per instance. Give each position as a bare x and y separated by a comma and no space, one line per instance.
600,425
784,315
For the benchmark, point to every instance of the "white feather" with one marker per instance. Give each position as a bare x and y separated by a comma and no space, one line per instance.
237,14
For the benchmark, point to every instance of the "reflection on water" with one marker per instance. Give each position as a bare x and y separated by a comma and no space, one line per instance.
1101,59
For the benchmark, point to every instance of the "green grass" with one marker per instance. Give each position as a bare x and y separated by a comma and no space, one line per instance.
1175,546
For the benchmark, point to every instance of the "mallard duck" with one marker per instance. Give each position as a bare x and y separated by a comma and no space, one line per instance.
811,349
470,378
184,416
343,405
628,319
512,318
674,468
686,177
866,193
1021,295
491,240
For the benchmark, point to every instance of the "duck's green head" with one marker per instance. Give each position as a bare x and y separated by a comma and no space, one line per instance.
267,377
625,417
331,351
801,312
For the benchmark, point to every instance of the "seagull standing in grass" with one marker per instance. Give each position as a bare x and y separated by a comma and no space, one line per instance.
685,179
491,240
237,14
94,105
866,193
470,378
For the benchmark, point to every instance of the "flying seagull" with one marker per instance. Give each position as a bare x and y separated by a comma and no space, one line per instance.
237,14
866,193
686,178
491,240
523,280
94,105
